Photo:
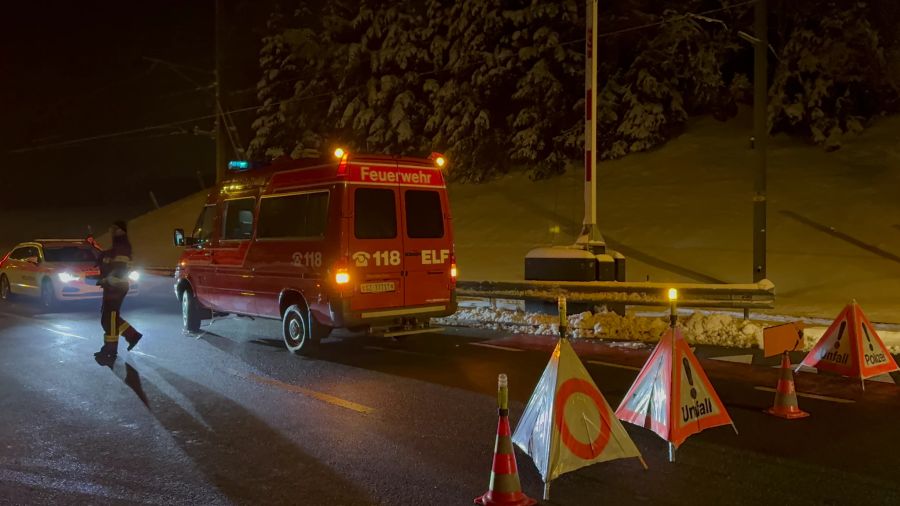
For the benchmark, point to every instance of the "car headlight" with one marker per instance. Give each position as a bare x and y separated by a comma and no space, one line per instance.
134,276
67,277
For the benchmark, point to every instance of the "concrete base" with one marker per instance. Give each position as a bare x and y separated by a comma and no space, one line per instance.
573,263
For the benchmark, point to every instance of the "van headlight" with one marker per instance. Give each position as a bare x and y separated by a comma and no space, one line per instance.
134,276
67,277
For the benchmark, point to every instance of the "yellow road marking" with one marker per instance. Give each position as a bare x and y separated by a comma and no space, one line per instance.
812,396
618,366
495,346
330,399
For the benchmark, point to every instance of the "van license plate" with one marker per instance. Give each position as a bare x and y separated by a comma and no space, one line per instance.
381,287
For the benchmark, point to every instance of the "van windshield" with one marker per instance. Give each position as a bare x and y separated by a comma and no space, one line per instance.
70,254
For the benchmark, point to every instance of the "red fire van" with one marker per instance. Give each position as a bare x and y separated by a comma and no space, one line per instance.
358,241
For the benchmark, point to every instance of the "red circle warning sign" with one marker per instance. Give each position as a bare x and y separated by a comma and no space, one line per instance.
583,450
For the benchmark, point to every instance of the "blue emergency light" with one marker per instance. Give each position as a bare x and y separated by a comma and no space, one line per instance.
238,165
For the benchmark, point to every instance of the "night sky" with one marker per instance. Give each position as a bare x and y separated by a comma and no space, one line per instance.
72,70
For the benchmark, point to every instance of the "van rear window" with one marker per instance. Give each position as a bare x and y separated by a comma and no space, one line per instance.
375,213
424,218
302,216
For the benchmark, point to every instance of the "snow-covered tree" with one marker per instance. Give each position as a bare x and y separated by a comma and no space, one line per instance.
833,75
470,88
381,105
497,84
274,130
676,73
547,125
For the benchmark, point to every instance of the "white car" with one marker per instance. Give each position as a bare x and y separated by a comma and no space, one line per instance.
54,270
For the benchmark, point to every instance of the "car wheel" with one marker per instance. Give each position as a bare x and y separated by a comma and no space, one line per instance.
296,331
190,311
5,289
48,298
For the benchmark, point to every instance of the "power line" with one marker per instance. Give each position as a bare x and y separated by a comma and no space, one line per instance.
665,21
110,135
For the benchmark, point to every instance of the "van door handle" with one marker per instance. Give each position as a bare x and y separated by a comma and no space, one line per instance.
413,253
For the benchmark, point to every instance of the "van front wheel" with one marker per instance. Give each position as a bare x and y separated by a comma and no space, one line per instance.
296,331
190,311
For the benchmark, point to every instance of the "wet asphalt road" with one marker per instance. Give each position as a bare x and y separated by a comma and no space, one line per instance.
230,417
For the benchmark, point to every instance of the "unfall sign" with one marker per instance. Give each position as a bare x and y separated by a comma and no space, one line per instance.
407,176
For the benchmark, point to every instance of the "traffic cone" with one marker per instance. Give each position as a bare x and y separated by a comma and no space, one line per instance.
504,488
785,395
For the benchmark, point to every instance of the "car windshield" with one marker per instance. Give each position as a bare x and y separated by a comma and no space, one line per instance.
72,254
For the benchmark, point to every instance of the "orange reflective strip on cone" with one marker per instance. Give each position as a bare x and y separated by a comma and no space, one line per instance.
504,488
786,405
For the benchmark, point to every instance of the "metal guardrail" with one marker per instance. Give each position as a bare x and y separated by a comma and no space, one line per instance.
759,295
747,296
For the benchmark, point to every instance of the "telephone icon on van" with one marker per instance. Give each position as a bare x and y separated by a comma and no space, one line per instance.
361,259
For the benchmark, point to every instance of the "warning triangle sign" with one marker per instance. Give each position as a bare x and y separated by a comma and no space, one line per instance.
672,395
567,423
851,347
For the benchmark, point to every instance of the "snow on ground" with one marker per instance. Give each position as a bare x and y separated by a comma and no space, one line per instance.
683,213
699,327
680,213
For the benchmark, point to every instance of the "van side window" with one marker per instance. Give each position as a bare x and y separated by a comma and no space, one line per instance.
18,254
374,214
424,218
238,219
203,230
300,216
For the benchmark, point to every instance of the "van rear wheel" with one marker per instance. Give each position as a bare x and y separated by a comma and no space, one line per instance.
296,331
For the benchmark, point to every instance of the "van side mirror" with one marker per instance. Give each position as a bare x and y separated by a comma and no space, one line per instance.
181,240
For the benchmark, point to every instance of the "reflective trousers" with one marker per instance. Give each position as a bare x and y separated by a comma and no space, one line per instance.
111,317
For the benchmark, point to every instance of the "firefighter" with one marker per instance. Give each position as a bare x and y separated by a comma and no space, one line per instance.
114,269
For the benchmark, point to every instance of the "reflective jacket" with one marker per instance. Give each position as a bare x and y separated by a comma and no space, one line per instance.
115,264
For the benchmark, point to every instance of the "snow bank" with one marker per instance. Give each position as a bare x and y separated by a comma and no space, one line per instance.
717,329
713,329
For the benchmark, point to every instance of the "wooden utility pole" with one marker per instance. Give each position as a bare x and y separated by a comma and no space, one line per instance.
217,107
